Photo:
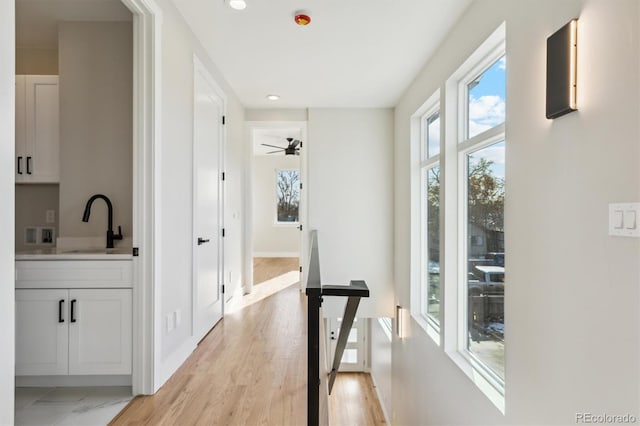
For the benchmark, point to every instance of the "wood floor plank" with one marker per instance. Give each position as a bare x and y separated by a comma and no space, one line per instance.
251,370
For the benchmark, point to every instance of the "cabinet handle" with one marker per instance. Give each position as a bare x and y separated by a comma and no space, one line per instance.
73,315
28,165
19,165
60,304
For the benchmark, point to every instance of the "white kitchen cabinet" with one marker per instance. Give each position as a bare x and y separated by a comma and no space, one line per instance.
73,331
42,336
100,338
37,129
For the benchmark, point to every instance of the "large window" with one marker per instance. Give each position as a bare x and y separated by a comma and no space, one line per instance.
288,196
482,153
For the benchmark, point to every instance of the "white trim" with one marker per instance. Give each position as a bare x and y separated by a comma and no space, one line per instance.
387,419
73,381
7,212
147,23
250,128
276,254
454,214
177,357
420,164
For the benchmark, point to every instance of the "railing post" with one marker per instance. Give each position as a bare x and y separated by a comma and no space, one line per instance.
314,301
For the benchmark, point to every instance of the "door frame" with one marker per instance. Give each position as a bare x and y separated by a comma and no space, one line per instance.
198,67
250,128
147,129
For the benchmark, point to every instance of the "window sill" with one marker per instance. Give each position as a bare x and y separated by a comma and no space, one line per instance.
287,224
493,390
429,328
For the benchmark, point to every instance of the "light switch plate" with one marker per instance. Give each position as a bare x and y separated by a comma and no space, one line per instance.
623,219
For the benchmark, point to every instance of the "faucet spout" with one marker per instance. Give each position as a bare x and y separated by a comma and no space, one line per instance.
87,213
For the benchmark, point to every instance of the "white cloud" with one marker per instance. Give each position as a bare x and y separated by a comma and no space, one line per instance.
502,63
485,112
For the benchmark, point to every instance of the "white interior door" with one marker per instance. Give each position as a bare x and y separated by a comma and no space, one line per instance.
207,241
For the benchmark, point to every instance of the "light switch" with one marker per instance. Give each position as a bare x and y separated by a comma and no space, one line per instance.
623,219
618,219
630,219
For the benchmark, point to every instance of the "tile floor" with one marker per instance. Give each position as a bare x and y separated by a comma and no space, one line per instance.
70,406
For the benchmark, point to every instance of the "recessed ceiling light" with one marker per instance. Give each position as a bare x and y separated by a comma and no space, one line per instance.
237,4
273,97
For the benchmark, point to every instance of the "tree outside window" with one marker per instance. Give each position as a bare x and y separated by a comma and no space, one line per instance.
288,193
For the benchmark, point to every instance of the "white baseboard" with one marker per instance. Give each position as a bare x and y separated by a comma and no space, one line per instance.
72,381
387,419
276,254
173,362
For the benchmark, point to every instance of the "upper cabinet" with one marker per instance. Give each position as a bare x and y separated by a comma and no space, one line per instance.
37,129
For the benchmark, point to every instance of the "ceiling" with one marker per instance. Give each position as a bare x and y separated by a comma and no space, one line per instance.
355,53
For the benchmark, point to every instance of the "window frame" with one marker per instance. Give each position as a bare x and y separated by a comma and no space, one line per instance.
456,148
422,164
276,222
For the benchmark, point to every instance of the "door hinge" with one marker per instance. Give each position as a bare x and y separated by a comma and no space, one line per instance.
223,175
300,227
136,252
224,120
223,232
300,185
300,144
301,269
222,288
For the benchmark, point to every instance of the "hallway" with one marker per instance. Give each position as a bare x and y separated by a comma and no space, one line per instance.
251,370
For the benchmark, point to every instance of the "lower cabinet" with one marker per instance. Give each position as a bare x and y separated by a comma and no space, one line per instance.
73,331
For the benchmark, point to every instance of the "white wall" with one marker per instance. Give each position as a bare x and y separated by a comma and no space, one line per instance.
36,61
176,151
381,364
573,301
269,238
7,155
350,182
96,98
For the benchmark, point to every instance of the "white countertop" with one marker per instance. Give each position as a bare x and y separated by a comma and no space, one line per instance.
54,253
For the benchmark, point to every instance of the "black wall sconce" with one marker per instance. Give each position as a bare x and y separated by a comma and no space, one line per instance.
562,53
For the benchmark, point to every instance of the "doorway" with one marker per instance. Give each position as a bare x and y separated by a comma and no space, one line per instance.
276,205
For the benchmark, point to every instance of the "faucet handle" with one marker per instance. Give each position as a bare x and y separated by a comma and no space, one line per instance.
119,236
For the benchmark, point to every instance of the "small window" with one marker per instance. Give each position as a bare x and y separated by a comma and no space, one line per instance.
288,195
432,246
486,99
431,134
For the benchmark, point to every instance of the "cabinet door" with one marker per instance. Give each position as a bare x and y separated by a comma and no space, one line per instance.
21,129
100,331
41,332
42,161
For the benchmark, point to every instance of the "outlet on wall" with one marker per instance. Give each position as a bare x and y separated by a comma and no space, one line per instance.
50,216
178,317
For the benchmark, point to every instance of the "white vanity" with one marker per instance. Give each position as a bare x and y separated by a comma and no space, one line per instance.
73,315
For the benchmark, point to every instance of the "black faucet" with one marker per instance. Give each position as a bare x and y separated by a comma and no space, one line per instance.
87,212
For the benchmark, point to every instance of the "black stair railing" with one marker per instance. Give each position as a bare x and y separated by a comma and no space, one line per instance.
318,388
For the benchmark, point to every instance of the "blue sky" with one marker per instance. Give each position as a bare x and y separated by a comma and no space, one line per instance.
487,109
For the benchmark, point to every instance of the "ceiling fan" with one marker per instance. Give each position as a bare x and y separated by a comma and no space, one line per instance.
291,149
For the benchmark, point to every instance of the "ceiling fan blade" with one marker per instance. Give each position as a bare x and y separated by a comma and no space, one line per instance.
295,143
275,152
272,146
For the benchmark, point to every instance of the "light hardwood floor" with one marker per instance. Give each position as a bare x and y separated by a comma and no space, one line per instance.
266,268
251,370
